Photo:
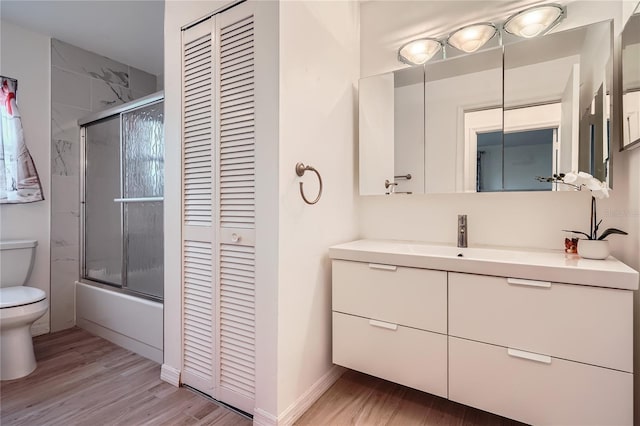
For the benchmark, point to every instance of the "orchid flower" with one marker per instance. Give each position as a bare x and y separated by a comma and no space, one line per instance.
599,190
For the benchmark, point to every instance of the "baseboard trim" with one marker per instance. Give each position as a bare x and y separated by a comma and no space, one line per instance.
307,399
262,418
170,375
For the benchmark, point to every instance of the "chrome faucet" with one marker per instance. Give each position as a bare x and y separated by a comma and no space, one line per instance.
462,230
391,186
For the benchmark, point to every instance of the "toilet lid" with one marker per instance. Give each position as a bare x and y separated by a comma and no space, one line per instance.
10,297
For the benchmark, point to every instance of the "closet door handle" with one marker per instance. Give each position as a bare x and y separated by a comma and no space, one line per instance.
382,324
382,267
544,359
529,283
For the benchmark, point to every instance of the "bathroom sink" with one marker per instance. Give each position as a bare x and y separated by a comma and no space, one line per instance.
448,251
535,264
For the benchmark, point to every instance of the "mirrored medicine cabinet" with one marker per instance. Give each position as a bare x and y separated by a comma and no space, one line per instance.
493,120
631,82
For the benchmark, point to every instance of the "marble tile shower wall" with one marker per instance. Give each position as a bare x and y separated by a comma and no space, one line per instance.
82,82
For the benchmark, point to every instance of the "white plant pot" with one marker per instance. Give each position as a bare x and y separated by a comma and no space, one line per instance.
593,249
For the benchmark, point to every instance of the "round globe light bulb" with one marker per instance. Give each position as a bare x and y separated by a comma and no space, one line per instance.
472,37
419,51
533,22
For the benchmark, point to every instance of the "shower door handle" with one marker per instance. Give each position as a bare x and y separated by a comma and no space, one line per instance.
137,200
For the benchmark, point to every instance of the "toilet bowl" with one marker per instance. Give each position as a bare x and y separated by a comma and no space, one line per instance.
20,307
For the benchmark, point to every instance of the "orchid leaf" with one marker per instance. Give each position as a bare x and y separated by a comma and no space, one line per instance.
611,231
577,232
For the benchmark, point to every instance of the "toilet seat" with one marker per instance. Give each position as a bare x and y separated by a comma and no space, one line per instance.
11,297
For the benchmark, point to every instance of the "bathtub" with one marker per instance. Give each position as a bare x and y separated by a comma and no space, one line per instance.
134,323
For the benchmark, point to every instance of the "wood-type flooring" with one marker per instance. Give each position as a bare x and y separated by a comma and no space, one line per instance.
82,379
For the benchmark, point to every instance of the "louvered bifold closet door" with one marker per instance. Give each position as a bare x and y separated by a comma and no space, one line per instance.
235,169
198,219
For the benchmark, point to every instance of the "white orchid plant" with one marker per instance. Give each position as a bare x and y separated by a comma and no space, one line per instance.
600,190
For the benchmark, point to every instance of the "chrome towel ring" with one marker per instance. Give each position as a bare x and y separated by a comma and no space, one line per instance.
300,169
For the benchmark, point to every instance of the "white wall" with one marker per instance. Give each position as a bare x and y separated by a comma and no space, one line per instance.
268,205
24,55
319,69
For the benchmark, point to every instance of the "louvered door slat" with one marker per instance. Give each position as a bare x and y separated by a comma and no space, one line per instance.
235,138
231,88
236,30
239,363
198,101
197,146
238,177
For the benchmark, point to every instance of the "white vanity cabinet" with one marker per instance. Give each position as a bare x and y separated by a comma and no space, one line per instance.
521,337
578,323
537,389
390,321
541,352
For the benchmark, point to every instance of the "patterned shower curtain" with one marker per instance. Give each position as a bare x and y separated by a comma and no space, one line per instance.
19,181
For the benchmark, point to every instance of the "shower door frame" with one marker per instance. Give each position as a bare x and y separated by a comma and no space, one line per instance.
119,110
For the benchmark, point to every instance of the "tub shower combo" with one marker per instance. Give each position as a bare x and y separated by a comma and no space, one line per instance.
120,292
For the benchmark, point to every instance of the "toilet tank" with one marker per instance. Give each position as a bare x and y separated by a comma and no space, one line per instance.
16,261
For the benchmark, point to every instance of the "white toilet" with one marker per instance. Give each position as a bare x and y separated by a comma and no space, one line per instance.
20,307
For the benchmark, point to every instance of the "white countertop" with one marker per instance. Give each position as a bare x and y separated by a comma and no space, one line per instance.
543,265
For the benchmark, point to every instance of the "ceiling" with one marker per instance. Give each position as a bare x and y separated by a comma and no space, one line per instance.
131,32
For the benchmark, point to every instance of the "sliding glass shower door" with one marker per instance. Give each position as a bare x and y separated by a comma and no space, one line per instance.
123,200
102,217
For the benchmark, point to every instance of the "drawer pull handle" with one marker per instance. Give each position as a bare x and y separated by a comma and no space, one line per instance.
382,324
530,283
530,356
383,267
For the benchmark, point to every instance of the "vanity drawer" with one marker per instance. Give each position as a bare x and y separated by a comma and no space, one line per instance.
407,296
411,357
586,324
536,392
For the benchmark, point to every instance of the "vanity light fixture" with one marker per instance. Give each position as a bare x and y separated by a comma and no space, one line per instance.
472,37
417,52
534,21
527,23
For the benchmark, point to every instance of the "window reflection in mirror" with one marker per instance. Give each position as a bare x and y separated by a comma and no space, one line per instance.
505,168
506,160
572,70
454,87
